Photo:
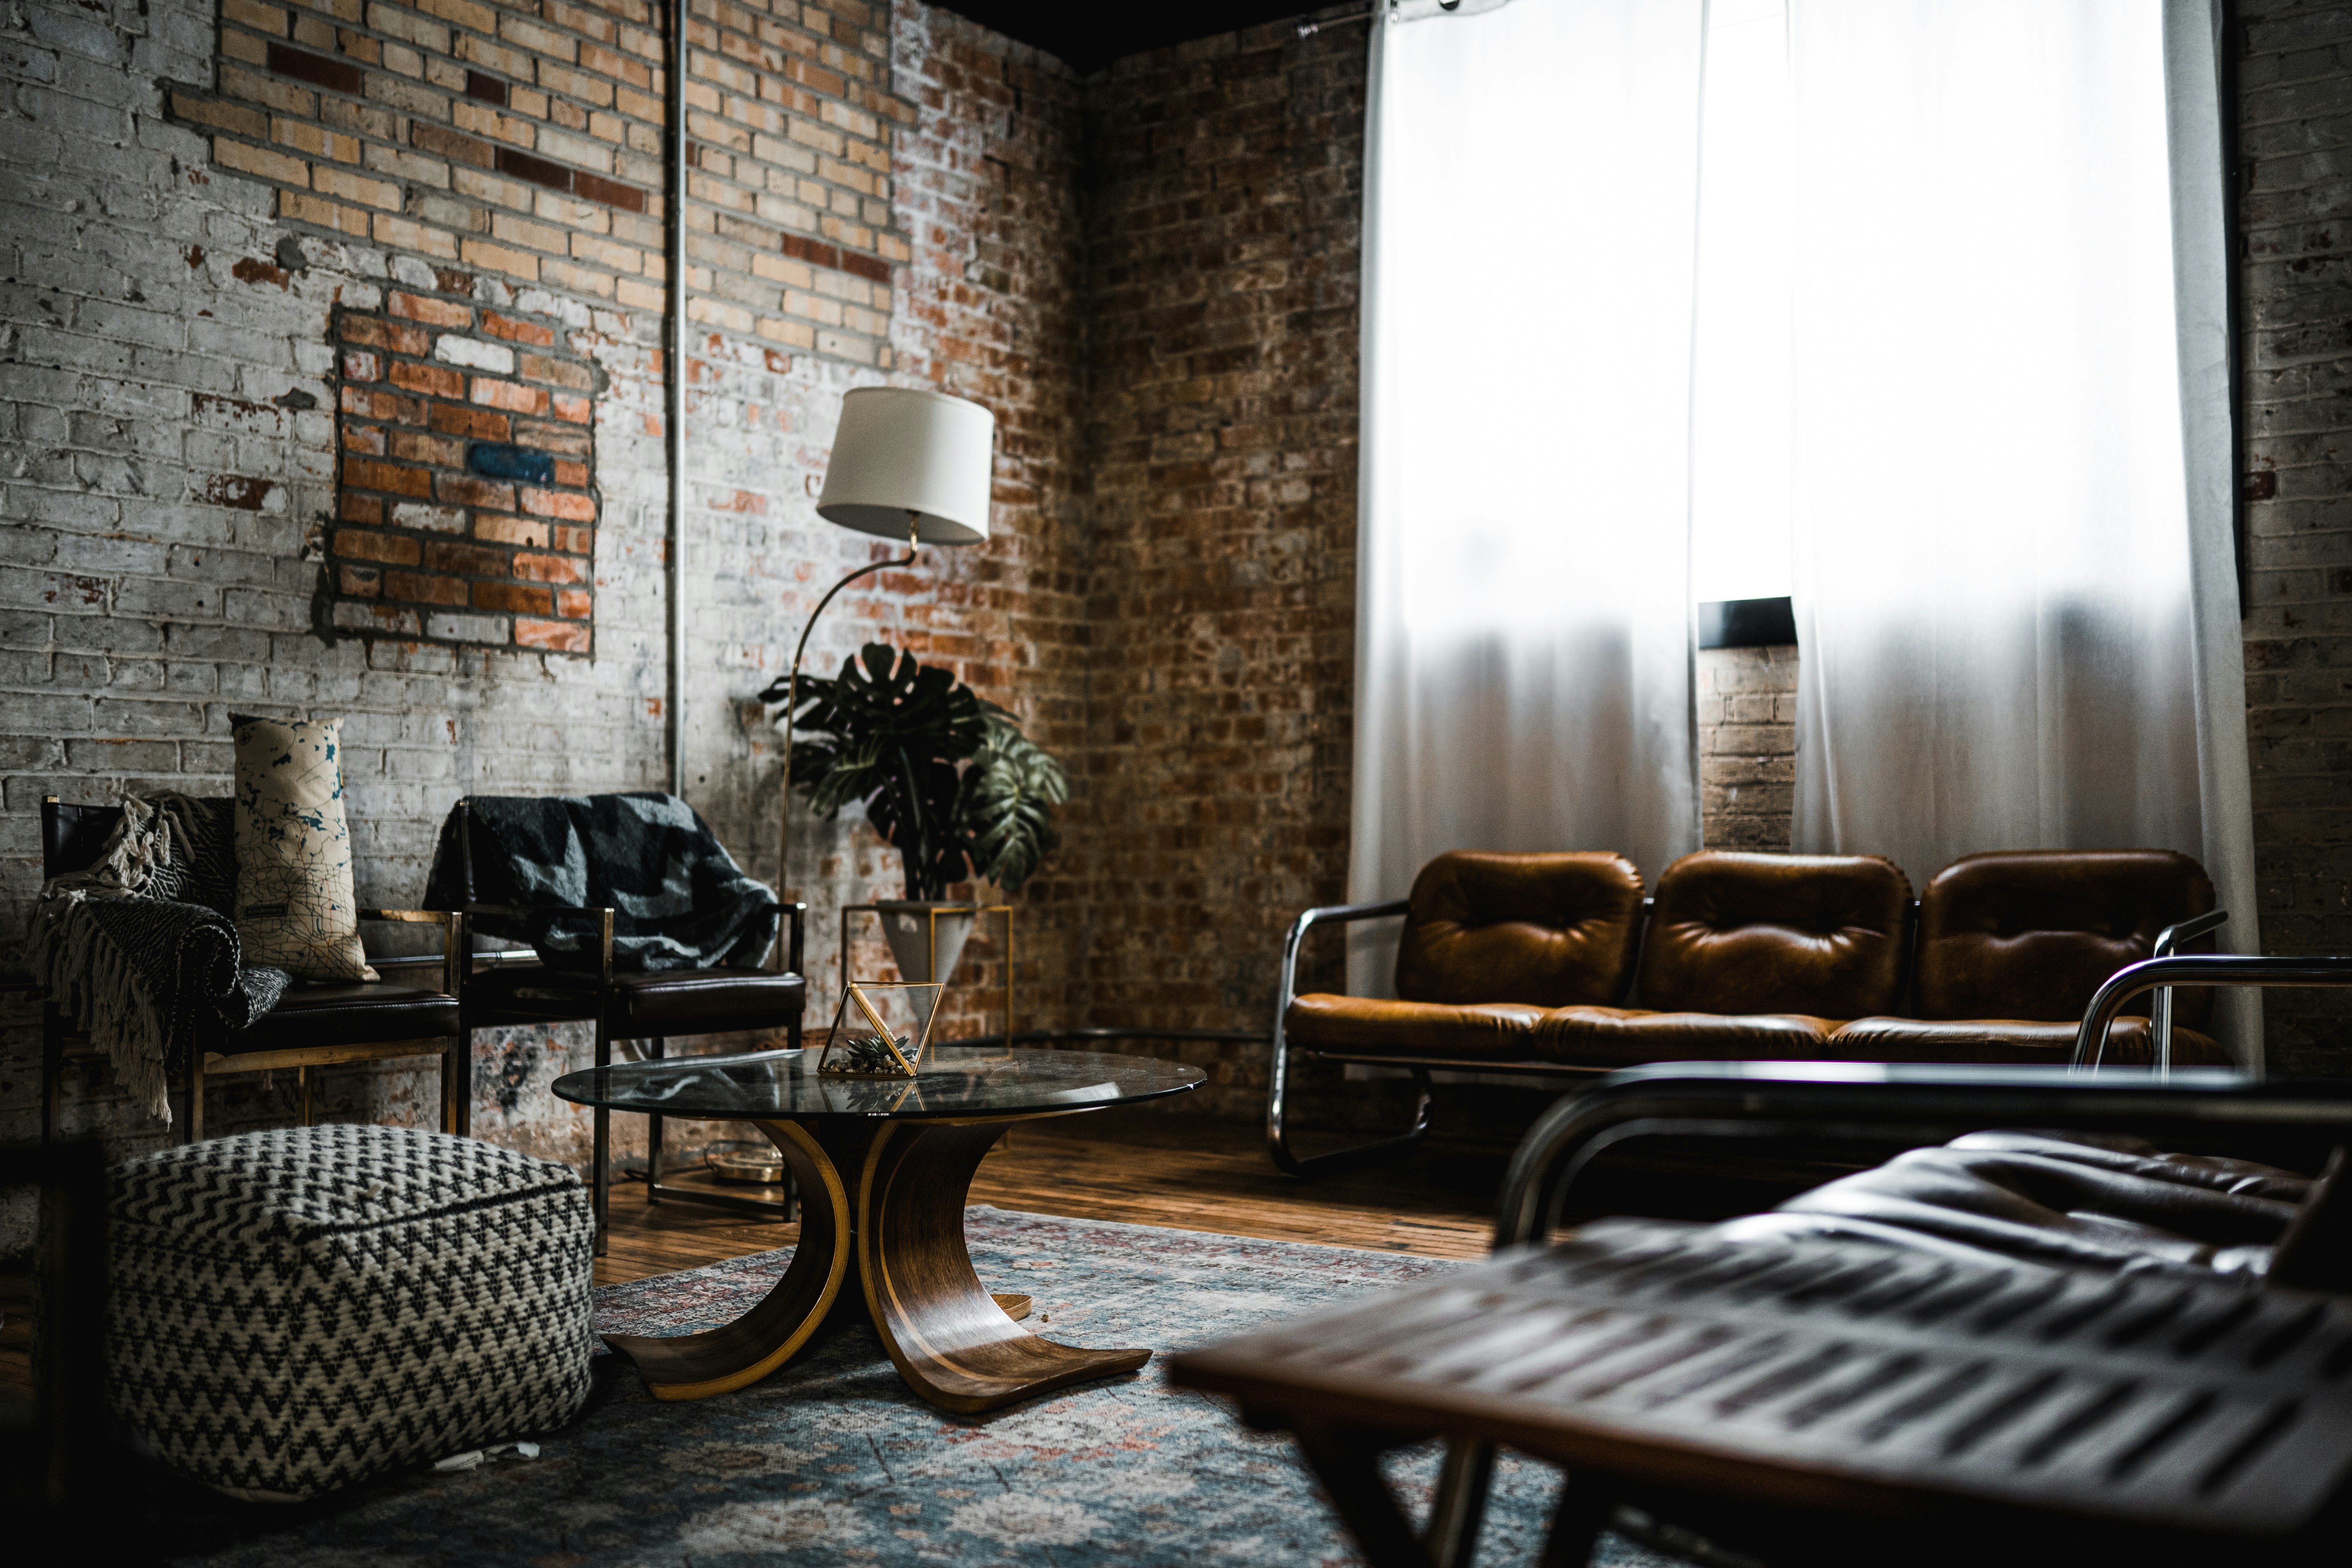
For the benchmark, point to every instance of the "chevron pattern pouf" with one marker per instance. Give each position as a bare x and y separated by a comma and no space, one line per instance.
293,1310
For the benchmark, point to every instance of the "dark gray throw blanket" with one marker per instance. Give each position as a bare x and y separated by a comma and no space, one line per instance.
679,900
141,950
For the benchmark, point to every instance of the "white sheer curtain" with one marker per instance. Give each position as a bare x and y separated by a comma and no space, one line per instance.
1523,620
2014,587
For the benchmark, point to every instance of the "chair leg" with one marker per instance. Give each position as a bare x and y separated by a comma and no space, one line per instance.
655,1048
462,1081
53,1072
302,1082
195,1094
1462,1482
1278,1130
600,1181
449,1088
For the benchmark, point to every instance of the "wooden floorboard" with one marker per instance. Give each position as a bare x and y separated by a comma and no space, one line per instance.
1142,1169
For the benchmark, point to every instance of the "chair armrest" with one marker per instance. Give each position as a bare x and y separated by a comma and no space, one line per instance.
414,917
605,916
2194,969
1329,914
791,951
525,910
1888,1107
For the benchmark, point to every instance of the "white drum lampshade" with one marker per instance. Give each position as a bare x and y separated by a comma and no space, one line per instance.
902,451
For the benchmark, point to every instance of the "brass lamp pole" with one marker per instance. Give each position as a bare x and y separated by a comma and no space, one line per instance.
907,463
792,686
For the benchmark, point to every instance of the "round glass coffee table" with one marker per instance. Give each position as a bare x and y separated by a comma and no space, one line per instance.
884,1166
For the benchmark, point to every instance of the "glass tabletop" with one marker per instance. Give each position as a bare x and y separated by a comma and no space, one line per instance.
785,1085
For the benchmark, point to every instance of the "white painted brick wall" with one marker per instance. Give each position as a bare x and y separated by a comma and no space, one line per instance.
166,449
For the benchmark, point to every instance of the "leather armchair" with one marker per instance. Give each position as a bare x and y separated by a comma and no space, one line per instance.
496,992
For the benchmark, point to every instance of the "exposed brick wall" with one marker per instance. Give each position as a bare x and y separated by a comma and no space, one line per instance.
173,332
518,140
1747,747
992,307
2294,134
1225,190
465,512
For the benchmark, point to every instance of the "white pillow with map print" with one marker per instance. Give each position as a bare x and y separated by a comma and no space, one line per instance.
295,907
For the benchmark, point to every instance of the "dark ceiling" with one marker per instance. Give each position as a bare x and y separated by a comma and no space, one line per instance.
1088,38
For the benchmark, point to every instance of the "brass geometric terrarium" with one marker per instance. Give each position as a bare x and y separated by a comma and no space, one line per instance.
882,1029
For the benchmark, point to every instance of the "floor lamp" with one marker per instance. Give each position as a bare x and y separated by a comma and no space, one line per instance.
907,464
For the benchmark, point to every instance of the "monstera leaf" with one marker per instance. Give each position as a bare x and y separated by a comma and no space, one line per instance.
1009,795
949,780
895,730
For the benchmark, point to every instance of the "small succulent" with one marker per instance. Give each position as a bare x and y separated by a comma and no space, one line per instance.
868,1053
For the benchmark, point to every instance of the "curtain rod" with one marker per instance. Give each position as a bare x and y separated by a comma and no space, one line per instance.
1307,29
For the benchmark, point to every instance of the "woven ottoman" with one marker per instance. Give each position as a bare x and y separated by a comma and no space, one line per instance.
294,1310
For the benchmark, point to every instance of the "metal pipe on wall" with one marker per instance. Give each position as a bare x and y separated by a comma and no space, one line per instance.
674,379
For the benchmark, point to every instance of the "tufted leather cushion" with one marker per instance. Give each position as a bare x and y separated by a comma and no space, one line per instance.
2104,1202
2008,1040
2033,933
669,1000
1615,1037
1365,1025
1819,935
1549,929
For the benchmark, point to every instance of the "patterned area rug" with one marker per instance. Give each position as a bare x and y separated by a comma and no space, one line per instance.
833,1460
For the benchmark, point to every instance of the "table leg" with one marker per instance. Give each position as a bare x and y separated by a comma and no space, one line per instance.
1349,1465
694,1366
954,1344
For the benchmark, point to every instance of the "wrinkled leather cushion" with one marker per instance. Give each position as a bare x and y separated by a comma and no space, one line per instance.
2111,1203
677,1001
1364,1025
1819,935
1548,930
2129,1042
2034,933
1615,1037
353,1014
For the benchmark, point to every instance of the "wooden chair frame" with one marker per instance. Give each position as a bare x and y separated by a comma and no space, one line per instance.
61,1045
787,960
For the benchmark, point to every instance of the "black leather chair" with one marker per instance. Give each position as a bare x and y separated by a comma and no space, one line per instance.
313,1026
495,993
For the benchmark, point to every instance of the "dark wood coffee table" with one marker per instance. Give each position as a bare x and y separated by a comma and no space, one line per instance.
884,1166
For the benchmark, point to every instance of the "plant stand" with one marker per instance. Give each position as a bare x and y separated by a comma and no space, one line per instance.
876,909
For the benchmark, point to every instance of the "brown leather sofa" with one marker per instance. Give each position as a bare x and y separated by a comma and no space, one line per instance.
1555,964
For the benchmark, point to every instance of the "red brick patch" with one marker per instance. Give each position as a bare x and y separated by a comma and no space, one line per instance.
557,636
452,501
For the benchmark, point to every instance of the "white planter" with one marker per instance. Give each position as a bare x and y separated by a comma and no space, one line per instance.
913,929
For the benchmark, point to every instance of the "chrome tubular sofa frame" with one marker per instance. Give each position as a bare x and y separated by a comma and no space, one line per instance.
1277,1096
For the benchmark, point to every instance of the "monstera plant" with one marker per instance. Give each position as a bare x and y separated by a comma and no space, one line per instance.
947,778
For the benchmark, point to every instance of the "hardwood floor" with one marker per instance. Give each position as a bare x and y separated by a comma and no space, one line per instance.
1143,1169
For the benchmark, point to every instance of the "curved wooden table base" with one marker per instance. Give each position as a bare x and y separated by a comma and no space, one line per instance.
901,1248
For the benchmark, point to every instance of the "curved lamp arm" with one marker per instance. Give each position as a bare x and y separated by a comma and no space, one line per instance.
792,694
